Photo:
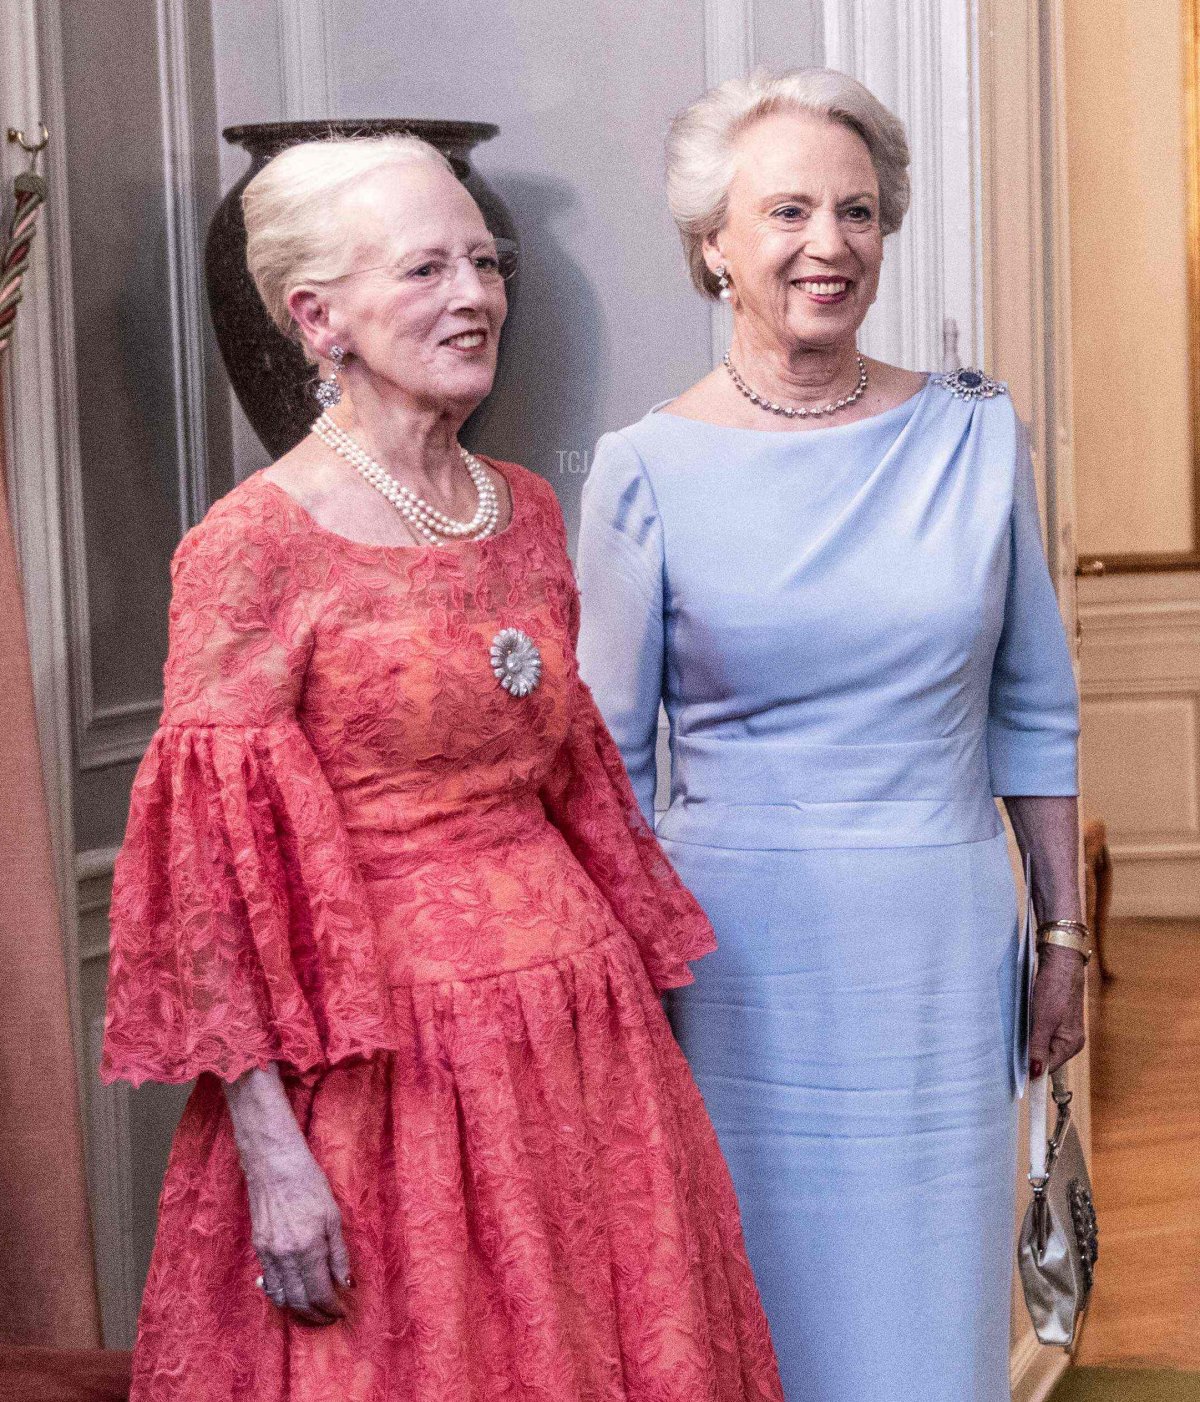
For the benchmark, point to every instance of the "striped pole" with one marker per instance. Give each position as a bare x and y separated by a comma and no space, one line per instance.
30,193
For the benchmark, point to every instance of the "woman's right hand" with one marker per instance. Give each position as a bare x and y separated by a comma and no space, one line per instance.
296,1227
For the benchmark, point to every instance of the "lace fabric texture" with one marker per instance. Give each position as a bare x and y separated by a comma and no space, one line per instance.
436,905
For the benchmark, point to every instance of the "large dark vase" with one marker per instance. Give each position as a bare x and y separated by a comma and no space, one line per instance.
270,376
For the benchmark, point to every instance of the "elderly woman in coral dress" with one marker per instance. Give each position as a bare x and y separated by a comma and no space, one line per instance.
386,892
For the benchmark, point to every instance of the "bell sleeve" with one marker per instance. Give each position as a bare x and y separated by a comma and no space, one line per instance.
590,799
240,931
1033,704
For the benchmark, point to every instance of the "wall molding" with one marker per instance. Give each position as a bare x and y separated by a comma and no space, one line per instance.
102,735
1121,605
845,24
1139,653
112,735
729,45
1012,137
1148,689
1157,852
1034,1369
185,264
1177,624
110,1156
1124,616
307,82
922,301
93,881
49,524
920,60
78,633
95,864
729,50
108,735
110,1159
1025,334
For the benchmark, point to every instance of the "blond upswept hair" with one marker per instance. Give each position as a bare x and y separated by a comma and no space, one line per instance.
702,148
295,224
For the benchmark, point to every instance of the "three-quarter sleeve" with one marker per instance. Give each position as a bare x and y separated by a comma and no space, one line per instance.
1033,706
240,932
621,574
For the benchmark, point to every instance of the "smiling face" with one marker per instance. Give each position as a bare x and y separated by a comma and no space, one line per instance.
801,240
403,326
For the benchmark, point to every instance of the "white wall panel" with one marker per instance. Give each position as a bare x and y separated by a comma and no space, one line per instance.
1141,738
1141,722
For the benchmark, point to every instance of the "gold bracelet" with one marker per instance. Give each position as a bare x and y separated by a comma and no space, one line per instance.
1065,939
1044,925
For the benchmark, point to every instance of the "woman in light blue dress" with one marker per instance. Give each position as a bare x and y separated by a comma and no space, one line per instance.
848,614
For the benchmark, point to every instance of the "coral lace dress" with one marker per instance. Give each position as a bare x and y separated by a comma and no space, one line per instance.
435,905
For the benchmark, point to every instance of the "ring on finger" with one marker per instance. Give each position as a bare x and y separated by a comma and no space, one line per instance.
274,1294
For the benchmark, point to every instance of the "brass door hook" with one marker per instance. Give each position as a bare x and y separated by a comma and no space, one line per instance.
32,148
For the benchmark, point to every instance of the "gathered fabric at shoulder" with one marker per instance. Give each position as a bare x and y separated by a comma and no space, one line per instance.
240,929
240,627
590,800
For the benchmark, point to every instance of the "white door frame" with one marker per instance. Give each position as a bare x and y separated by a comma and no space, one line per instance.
1026,276
919,57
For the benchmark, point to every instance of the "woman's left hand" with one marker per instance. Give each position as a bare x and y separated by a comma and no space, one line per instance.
1056,1032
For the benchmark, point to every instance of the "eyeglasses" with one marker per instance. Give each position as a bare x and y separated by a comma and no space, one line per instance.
493,262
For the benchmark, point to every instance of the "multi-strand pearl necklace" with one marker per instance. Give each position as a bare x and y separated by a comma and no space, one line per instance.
764,403
426,520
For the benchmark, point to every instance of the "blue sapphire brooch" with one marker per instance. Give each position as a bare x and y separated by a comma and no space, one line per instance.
970,384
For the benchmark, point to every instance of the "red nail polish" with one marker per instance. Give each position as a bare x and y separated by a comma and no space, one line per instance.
1035,1069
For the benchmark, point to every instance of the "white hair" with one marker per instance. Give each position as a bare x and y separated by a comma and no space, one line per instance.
702,148
295,223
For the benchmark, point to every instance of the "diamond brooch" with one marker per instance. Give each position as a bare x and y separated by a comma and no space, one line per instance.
516,661
970,384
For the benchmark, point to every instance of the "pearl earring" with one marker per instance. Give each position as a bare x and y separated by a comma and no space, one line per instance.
329,392
726,292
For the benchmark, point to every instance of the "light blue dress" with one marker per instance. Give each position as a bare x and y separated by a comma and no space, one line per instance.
857,641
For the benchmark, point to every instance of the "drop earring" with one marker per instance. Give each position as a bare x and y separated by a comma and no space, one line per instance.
329,392
726,292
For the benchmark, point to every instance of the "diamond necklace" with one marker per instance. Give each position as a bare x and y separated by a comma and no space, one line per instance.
434,525
763,403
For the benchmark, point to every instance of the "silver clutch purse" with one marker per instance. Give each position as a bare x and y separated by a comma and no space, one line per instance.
1057,1247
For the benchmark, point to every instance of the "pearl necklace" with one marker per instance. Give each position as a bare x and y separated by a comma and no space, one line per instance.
852,398
426,520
